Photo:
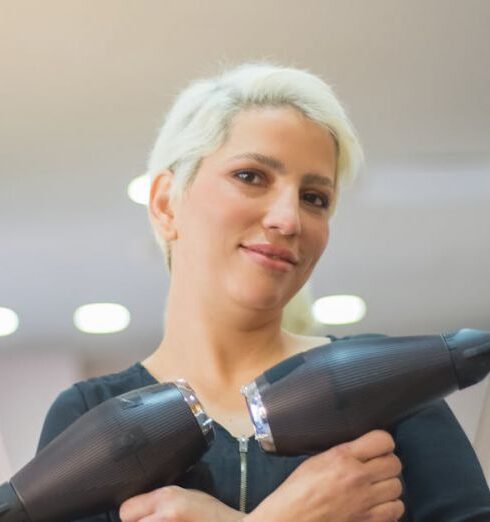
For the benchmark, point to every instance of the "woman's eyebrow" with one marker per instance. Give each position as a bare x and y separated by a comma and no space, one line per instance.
318,179
268,161
278,165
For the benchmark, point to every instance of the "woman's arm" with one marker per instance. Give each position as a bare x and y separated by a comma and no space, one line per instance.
65,410
176,504
442,475
354,481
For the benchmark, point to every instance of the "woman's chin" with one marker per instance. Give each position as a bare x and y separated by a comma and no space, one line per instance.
259,299
257,293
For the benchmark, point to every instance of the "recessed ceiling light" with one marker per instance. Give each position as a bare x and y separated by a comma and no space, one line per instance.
339,309
9,321
101,318
139,189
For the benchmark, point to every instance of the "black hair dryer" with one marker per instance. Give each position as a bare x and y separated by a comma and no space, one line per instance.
123,447
337,392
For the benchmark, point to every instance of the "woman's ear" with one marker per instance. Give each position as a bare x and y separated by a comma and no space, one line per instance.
160,212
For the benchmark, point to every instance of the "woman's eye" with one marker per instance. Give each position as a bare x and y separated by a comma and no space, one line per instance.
318,200
251,177
248,176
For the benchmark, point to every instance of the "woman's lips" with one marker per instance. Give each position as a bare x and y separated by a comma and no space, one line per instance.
268,262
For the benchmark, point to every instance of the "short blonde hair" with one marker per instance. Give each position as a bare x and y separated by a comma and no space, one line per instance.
198,122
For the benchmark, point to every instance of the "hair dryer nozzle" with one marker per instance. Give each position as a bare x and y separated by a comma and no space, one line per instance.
258,413
470,352
205,423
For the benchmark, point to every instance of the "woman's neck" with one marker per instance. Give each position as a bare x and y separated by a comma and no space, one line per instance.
217,339
228,358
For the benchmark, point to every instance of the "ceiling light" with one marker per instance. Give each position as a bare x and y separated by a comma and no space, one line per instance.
100,318
9,321
339,309
139,189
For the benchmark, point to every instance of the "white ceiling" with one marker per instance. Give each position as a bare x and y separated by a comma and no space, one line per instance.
83,88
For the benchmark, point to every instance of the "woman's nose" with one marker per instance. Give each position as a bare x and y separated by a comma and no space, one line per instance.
283,213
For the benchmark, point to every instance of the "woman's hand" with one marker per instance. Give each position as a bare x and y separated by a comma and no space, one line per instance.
352,482
176,504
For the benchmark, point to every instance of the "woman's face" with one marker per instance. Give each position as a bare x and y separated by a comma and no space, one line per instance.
271,184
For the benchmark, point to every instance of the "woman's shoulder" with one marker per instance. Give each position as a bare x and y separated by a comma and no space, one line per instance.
301,343
84,395
101,388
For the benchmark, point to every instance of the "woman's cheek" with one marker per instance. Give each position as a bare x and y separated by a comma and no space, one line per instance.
318,239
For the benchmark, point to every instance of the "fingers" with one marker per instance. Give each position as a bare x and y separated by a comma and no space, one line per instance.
373,444
176,503
386,491
383,468
369,457
136,508
388,511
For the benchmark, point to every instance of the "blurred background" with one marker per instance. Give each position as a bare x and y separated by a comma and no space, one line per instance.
84,86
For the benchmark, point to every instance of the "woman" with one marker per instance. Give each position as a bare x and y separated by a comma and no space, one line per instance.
246,173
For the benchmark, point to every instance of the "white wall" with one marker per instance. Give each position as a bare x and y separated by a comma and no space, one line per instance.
5,470
482,438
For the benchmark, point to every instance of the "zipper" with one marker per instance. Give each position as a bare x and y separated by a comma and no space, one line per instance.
243,449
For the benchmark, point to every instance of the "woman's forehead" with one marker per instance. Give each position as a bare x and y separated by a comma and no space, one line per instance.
272,135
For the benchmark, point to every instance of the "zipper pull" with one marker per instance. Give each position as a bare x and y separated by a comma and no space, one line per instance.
242,444
243,449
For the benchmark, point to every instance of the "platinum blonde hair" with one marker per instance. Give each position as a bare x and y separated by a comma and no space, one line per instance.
198,123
